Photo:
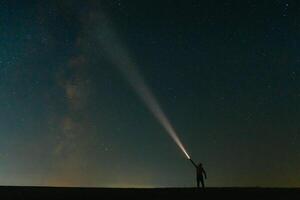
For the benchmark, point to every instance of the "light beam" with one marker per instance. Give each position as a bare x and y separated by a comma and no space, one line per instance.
120,57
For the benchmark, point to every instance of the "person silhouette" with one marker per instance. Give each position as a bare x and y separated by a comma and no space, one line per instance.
200,171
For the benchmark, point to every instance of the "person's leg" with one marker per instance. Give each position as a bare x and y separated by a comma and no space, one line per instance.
198,182
202,183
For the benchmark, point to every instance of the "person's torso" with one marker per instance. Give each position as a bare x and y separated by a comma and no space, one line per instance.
199,171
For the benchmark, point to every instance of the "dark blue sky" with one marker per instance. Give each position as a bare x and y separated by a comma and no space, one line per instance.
225,73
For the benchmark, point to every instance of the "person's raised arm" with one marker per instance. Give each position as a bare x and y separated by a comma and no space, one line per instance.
193,163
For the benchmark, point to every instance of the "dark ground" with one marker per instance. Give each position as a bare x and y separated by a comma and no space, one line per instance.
9,192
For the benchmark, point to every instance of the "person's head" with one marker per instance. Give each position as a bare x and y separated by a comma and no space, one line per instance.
200,164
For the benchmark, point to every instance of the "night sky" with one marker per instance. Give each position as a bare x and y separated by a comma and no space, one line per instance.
226,74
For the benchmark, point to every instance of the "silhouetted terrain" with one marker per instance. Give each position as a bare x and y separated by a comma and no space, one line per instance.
9,192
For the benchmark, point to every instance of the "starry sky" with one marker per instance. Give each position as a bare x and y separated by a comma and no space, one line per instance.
226,74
